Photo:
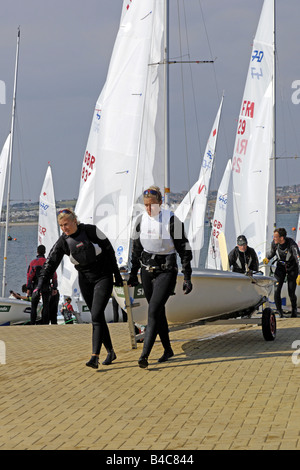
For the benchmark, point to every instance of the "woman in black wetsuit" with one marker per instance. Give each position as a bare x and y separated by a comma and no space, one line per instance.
158,236
94,258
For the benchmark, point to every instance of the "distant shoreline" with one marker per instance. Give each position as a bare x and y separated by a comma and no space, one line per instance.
11,224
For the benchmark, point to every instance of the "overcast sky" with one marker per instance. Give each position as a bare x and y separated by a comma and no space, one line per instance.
64,56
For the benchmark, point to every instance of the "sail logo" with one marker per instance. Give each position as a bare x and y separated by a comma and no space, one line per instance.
296,94
207,161
2,92
44,206
223,199
4,308
258,56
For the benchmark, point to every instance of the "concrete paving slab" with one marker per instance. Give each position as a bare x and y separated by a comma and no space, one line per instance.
225,388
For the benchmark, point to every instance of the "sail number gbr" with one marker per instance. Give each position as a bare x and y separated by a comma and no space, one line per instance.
88,165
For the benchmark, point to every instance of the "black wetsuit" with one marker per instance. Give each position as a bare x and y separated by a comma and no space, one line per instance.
95,274
159,275
288,264
242,262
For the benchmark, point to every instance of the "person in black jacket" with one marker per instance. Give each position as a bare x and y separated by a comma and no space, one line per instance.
288,265
94,258
243,258
158,235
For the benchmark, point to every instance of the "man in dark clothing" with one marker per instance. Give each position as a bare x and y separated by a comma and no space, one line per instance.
243,258
288,264
33,272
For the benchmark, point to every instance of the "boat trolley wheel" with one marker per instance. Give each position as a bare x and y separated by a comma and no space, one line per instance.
268,324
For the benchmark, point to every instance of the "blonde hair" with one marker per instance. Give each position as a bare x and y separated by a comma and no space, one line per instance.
69,213
153,191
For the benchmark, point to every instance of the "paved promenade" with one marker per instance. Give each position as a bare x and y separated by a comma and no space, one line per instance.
225,388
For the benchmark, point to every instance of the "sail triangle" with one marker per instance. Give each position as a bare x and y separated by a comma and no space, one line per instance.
48,228
252,164
213,260
3,168
196,199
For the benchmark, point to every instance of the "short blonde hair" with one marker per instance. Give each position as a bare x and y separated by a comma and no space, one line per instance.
69,213
153,191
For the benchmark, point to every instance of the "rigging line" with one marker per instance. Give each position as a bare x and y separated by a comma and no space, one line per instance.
192,81
19,153
215,78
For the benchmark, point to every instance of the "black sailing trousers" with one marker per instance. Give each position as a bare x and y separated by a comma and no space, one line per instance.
96,295
158,286
291,285
46,305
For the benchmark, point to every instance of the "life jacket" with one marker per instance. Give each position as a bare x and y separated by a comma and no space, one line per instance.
283,254
82,251
155,233
242,259
288,255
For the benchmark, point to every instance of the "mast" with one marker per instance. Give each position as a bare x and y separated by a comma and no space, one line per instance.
274,114
10,164
166,107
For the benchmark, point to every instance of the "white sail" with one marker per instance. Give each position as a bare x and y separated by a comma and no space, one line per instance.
128,150
197,220
213,260
125,154
123,142
252,166
3,167
48,228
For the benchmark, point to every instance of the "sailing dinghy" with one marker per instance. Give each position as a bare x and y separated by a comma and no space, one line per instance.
127,151
252,206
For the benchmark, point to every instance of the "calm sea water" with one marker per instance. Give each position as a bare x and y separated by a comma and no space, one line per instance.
22,250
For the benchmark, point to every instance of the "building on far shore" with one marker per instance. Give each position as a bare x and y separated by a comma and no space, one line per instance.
288,200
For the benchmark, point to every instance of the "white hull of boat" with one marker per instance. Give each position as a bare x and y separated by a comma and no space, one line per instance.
85,314
214,294
285,297
14,311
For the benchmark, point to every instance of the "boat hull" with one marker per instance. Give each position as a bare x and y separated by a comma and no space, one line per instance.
214,294
85,314
285,298
14,311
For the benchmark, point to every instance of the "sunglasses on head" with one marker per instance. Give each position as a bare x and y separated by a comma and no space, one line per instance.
65,211
150,191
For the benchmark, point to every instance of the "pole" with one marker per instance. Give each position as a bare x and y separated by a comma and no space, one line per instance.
129,316
10,164
274,115
166,93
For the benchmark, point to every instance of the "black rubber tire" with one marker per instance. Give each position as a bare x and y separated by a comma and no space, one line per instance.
268,324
